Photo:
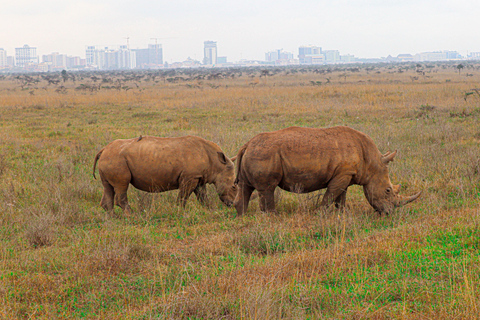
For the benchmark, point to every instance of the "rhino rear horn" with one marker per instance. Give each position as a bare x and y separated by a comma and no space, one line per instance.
387,157
233,158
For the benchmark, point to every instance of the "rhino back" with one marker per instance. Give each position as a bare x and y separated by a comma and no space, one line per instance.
158,164
305,159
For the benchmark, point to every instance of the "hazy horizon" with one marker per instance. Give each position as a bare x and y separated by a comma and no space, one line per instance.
243,29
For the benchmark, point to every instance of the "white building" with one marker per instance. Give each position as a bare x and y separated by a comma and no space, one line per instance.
311,55
108,58
437,56
474,56
73,62
332,56
11,61
56,60
346,58
126,58
3,58
279,57
25,56
89,55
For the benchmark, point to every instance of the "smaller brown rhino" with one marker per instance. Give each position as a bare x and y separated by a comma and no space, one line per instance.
303,160
155,164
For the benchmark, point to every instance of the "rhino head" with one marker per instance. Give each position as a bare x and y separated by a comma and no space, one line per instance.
225,180
382,195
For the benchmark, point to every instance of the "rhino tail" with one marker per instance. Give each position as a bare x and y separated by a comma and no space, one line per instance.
238,167
95,161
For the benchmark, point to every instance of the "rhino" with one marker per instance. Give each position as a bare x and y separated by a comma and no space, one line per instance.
303,160
154,164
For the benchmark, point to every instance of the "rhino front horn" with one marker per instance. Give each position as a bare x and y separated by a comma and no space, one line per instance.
404,200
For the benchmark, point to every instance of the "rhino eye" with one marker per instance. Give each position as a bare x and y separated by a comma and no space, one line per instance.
388,190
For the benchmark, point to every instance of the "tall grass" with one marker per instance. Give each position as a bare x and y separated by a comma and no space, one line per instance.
62,256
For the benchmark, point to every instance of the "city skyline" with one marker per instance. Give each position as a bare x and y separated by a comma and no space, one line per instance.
121,57
198,57
246,29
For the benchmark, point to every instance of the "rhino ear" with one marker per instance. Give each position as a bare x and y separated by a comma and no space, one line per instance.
387,157
222,158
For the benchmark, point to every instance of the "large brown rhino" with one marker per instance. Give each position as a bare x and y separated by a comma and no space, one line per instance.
303,160
155,164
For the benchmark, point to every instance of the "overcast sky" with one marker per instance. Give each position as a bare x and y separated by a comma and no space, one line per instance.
243,28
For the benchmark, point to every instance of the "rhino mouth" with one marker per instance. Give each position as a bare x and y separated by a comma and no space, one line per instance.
384,207
227,199
229,195
228,203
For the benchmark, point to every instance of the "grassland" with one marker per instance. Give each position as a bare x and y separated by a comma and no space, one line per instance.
63,257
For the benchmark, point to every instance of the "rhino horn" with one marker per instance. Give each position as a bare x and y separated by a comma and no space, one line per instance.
387,157
396,188
404,200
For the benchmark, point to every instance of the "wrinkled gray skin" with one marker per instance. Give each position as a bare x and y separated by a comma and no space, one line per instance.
155,164
303,160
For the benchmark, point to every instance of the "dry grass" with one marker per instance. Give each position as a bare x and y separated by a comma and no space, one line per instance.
62,256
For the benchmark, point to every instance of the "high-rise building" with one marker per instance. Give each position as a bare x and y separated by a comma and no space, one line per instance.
474,56
155,54
278,56
25,55
210,52
332,56
346,58
56,60
437,56
311,55
3,58
11,61
150,57
75,62
221,60
125,58
106,58
271,56
90,54
453,55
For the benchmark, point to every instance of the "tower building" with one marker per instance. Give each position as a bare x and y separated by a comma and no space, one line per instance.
210,52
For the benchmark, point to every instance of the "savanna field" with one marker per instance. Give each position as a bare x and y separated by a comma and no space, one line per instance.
63,257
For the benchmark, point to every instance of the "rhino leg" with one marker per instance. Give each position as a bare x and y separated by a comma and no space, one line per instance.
115,174
121,199
340,201
267,201
243,198
336,191
108,196
201,193
187,186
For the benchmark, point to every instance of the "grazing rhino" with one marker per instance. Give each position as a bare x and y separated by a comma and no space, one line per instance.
303,160
155,164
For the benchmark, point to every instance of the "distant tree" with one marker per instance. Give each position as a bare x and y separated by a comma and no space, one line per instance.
64,75
264,73
460,67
